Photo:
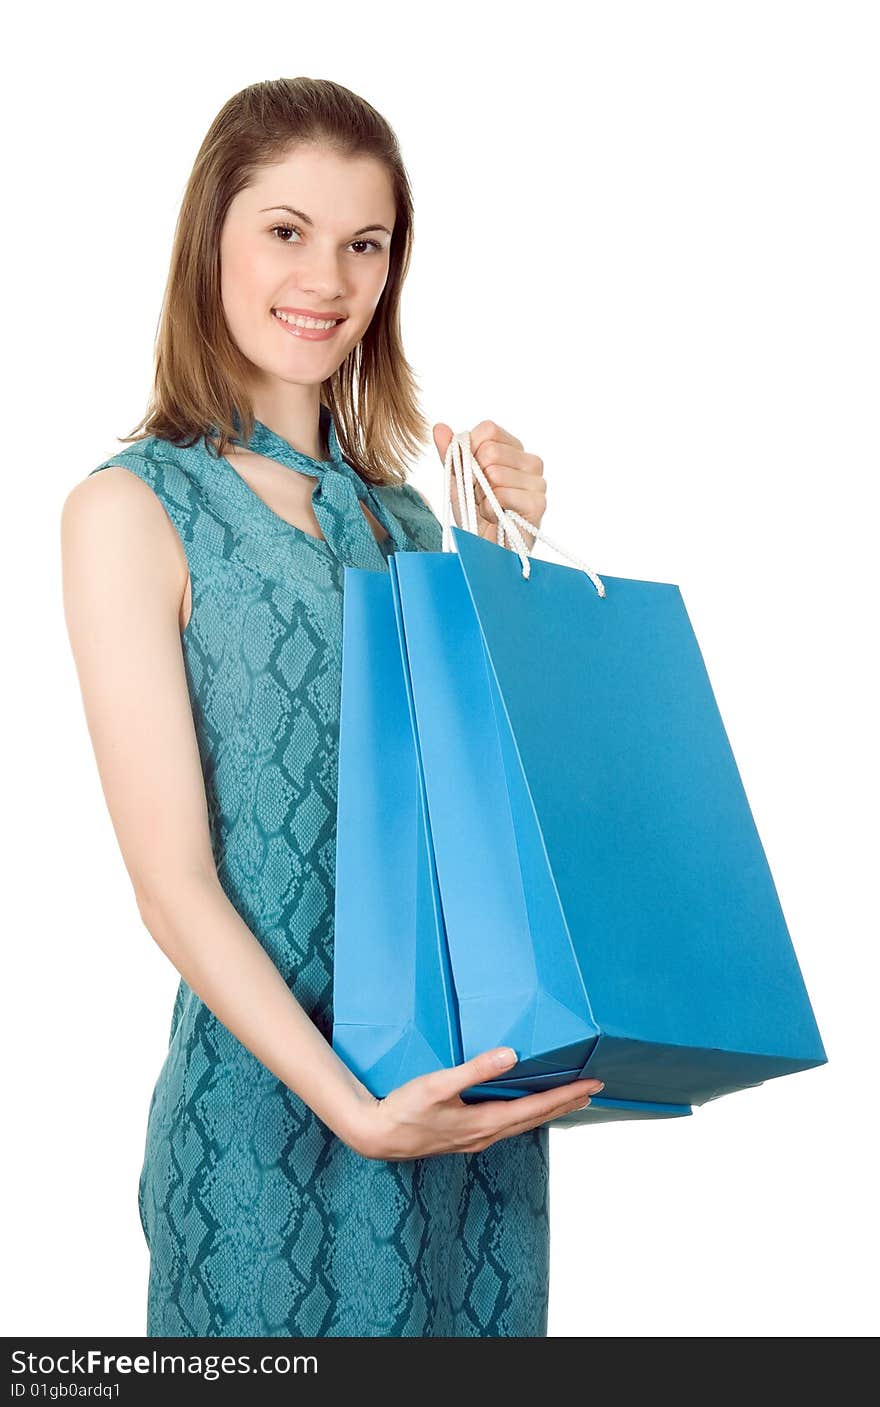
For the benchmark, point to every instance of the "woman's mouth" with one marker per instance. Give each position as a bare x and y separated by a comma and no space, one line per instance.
310,329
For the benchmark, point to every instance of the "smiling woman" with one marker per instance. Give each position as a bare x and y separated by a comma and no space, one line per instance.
315,281
277,1196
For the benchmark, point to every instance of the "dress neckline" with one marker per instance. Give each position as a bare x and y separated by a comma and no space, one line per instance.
271,445
268,443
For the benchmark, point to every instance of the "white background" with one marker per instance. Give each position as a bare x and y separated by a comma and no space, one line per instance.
646,243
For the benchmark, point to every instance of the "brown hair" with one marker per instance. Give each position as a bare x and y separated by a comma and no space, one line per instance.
200,383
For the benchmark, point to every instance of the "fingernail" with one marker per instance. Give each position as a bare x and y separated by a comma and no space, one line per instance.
505,1056
600,1085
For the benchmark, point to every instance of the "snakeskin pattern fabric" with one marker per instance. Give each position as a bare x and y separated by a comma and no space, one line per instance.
259,1220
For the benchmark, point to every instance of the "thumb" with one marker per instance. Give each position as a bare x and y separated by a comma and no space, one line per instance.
485,1066
442,437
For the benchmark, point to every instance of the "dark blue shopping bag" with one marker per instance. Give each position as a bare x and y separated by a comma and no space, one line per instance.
605,903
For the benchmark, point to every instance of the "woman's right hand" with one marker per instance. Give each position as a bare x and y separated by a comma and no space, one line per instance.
427,1114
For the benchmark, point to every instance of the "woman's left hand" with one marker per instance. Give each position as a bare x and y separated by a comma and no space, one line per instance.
517,478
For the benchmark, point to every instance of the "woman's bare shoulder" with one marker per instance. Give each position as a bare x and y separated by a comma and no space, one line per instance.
114,526
121,589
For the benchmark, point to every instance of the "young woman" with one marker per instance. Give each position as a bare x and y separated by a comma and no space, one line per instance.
203,577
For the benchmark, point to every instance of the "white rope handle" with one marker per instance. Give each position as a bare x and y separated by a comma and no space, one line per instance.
460,457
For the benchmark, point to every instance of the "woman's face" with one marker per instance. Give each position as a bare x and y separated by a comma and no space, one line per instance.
325,256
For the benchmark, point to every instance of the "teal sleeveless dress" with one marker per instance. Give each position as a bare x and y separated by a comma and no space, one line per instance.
259,1220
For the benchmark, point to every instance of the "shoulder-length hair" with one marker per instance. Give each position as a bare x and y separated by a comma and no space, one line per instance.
200,381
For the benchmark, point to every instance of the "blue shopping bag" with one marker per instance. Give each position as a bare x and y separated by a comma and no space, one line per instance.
395,1012
587,881
609,908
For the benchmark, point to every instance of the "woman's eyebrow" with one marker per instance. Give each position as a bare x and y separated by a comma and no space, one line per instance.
301,215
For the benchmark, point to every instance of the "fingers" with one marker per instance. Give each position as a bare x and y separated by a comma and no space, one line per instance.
482,1123
488,431
532,1109
521,500
580,1103
523,1125
443,1084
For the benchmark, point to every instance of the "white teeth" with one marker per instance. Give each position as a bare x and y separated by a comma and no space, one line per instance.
297,321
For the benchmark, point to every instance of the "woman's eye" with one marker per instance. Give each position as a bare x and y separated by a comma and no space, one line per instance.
291,229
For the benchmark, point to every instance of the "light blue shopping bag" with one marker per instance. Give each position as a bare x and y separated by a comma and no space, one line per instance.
393,1006
544,841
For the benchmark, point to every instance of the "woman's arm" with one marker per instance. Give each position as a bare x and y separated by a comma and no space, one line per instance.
124,574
